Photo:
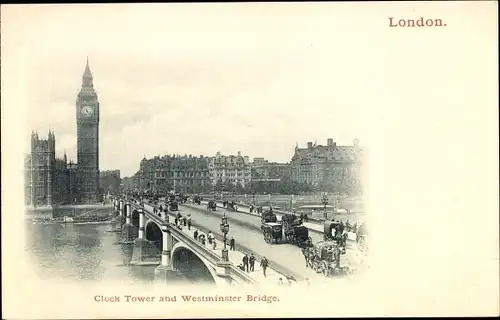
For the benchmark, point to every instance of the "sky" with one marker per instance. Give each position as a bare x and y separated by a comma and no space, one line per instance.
198,79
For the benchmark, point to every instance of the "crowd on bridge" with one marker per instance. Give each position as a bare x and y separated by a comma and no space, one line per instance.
248,261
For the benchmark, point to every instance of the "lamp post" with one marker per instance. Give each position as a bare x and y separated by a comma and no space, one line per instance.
324,200
224,227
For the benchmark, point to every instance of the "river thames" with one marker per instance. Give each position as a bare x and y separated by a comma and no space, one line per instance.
83,252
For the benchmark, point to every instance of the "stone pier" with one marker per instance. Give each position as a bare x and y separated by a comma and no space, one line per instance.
128,230
145,252
164,273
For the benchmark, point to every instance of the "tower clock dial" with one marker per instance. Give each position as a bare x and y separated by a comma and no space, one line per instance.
87,111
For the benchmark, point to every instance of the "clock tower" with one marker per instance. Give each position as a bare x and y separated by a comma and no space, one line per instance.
87,128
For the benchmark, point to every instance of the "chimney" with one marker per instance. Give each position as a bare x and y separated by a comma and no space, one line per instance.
329,142
309,145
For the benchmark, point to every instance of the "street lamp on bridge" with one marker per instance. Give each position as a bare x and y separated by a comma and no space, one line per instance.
324,201
224,227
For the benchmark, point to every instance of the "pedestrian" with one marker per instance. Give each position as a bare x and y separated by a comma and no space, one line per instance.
210,236
337,258
214,244
251,261
245,262
195,235
184,220
280,282
176,221
231,244
305,252
189,224
264,263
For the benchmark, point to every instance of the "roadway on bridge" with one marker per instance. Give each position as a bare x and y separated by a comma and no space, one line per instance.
235,256
284,255
246,220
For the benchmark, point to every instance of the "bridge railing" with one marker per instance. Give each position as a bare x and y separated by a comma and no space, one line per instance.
203,251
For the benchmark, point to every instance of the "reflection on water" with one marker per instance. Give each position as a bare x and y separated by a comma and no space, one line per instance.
89,252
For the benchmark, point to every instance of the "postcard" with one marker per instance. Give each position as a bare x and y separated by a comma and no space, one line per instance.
238,160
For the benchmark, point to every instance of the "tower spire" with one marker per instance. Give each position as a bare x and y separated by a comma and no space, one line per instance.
87,67
87,78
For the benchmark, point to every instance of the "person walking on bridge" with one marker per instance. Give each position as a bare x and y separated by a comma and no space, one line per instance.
189,222
251,261
245,262
195,235
264,263
231,244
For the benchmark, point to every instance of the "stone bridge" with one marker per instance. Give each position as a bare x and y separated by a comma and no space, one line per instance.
181,254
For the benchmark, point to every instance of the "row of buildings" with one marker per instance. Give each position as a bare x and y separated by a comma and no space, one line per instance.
320,165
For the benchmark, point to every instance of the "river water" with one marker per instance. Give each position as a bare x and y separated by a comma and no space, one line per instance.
84,252
90,252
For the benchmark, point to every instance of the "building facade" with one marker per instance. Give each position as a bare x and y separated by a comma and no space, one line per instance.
110,181
330,167
50,180
87,127
263,169
234,169
128,184
174,172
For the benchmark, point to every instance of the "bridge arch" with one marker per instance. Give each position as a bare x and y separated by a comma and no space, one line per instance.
154,234
134,217
192,265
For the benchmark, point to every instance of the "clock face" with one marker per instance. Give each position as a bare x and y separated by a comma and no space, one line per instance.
87,111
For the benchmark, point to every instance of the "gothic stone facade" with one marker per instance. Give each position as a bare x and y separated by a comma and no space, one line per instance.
51,181
87,124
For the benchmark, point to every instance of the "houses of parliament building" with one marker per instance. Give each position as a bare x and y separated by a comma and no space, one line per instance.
52,181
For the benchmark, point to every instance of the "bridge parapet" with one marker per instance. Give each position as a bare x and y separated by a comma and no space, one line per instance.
225,270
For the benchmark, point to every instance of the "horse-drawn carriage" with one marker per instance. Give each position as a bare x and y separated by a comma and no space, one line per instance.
211,206
197,200
334,231
173,206
181,198
288,230
268,216
272,231
326,258
232,206
294,231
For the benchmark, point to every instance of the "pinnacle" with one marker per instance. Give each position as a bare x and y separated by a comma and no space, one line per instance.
87,68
